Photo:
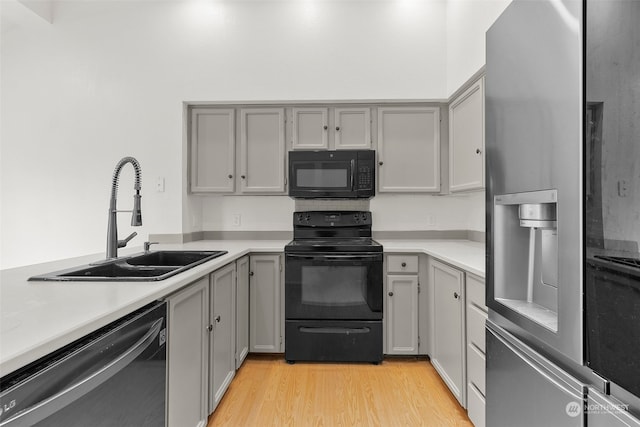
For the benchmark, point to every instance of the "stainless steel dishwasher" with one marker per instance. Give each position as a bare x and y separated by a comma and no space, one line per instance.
115,376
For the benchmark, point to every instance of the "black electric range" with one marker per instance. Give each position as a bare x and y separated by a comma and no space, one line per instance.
333,288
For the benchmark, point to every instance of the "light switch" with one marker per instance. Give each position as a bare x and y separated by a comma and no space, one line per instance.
623,188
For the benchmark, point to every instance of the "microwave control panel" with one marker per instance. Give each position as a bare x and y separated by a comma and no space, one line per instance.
365,178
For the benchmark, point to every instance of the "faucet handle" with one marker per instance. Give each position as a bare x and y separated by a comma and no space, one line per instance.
123,243
147,245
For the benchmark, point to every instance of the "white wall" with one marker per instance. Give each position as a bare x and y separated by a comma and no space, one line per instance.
108,79
467,23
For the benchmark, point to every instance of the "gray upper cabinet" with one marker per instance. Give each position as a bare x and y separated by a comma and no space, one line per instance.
409,149
310,128
222,344
466,139
212,150
352,128
262,150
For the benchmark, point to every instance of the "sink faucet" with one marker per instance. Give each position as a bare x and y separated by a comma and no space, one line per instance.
136,219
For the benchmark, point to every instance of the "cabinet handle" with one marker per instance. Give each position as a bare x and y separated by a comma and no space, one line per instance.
218,318
337,127
230,176
390,294
478,151
455,295
404,264
210,328
380,163
326,127
242,176
251,273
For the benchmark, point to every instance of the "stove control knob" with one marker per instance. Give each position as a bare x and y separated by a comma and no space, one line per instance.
356,218
364,217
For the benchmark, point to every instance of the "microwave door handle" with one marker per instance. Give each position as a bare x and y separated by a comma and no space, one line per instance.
53,404
353,175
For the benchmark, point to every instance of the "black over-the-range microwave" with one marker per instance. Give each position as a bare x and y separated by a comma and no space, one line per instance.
333,174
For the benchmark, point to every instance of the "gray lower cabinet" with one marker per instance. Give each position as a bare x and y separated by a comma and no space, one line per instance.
401,308
476,312
266,314
448,350
242,310
402,314
222,343
187,355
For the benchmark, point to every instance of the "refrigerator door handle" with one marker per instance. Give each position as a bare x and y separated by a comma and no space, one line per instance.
51,405
539,367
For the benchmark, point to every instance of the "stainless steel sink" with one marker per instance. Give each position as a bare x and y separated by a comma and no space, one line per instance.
144,267
171,258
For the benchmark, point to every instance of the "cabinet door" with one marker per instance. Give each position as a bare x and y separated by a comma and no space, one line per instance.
402,314
466,139
310,128
352,128
262,150
223,341
409,149
187,355
449,346
242,310
212,150
265,315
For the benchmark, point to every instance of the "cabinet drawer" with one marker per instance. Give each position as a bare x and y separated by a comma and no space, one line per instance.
402,264
476,364
475,406
476,332
476,292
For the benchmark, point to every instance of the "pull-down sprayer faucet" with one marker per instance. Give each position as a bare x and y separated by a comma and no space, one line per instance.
136,219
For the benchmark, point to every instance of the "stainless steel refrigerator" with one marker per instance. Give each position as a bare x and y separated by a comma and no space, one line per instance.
543,56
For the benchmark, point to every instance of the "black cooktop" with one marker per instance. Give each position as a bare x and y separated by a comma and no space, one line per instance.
332,231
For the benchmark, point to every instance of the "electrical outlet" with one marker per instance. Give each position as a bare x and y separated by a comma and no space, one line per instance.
160,184
431,220
237,220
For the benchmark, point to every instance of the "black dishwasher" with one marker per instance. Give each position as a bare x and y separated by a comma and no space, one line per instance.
115,376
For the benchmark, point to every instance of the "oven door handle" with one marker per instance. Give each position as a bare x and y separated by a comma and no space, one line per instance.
53,404
336,257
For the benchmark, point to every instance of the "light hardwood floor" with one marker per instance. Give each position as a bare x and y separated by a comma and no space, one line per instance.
399,392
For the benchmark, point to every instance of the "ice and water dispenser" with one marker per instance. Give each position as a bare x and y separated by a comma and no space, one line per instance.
526,255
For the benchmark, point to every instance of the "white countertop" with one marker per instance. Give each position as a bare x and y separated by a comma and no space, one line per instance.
37,318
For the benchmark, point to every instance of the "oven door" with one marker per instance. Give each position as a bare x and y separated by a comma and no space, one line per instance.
333,286
311,178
